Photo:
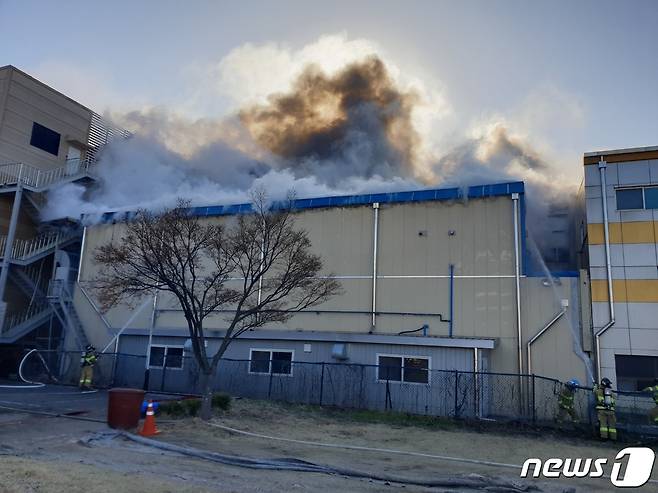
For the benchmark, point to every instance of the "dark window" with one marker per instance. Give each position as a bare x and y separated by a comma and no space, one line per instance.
174,357
651,197
390,368
260,362
416,370
45,139
274,362
635,373
165,356
630,198
282,363
157,356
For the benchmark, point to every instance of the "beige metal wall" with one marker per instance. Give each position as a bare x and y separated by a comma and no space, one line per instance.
24,100
417,244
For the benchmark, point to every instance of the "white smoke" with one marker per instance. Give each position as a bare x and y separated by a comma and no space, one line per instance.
186,152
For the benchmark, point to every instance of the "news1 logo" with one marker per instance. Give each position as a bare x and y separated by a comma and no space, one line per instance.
638,463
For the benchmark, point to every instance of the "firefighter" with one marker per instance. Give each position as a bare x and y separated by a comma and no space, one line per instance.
605,409
653,414
87,363
566,402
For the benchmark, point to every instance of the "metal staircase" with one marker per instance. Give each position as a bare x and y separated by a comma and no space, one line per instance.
61,301
25,252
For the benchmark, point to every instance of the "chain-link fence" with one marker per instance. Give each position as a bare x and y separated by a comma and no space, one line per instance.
490,396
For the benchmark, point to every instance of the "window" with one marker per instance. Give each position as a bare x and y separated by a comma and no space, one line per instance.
45,139
630,198
651,197
166,357
635,373
409,369
270,361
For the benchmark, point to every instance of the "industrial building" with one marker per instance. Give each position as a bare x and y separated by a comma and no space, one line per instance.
620,199
46,140
432,279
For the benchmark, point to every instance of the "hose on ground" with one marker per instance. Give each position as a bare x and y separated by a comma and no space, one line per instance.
51,415
476,482
31,385
368,449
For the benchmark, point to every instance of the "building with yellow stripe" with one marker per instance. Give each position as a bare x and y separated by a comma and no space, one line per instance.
621,204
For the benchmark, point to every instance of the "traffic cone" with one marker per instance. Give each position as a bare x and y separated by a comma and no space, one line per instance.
149,429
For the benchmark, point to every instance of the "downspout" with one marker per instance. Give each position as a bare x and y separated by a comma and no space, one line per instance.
558,316
147,369
82,252
452,304
608,267
375,207
517,278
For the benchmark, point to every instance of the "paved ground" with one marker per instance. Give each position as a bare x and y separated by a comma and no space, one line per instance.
49,454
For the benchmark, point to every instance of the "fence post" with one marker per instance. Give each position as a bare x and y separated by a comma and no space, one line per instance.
269,385
475,395
534,407
321,383
456,391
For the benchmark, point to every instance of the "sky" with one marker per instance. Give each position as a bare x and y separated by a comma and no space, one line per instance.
566,77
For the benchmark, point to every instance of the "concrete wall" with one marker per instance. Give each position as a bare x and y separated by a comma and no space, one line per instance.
634,259
23,101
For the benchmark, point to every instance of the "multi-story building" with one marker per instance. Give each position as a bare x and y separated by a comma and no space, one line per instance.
621,203
46,140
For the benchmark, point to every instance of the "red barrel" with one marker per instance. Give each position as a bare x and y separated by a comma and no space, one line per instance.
123,408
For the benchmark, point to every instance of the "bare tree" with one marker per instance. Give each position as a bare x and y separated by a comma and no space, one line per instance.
256,269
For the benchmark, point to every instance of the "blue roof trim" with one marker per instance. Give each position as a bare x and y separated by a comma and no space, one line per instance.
437,194
480,191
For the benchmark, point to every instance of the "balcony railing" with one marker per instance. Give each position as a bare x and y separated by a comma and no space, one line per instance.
37,178
17,318
24,249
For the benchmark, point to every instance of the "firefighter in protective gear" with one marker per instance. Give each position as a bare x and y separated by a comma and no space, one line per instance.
87,363
565,402
605,409
653,414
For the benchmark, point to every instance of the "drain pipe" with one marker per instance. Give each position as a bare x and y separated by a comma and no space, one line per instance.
517,277
375,235
452,298
608,267
558,316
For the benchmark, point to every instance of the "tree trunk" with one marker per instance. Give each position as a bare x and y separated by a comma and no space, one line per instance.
206,400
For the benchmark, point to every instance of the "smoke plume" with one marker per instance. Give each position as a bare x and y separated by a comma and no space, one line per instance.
356,120
349,131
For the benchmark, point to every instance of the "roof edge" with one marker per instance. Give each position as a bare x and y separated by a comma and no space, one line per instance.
426,195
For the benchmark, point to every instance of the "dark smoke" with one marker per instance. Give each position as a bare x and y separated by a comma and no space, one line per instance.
356,120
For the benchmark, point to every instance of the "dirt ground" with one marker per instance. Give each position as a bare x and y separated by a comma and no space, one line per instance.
53,454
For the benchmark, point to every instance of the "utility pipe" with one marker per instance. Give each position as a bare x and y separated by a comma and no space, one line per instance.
375,207
82,251
452,284
550,324
517,278
147,370
608,267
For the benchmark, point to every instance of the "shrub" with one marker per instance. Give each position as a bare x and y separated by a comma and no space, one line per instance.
192,406
221,401
173,408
